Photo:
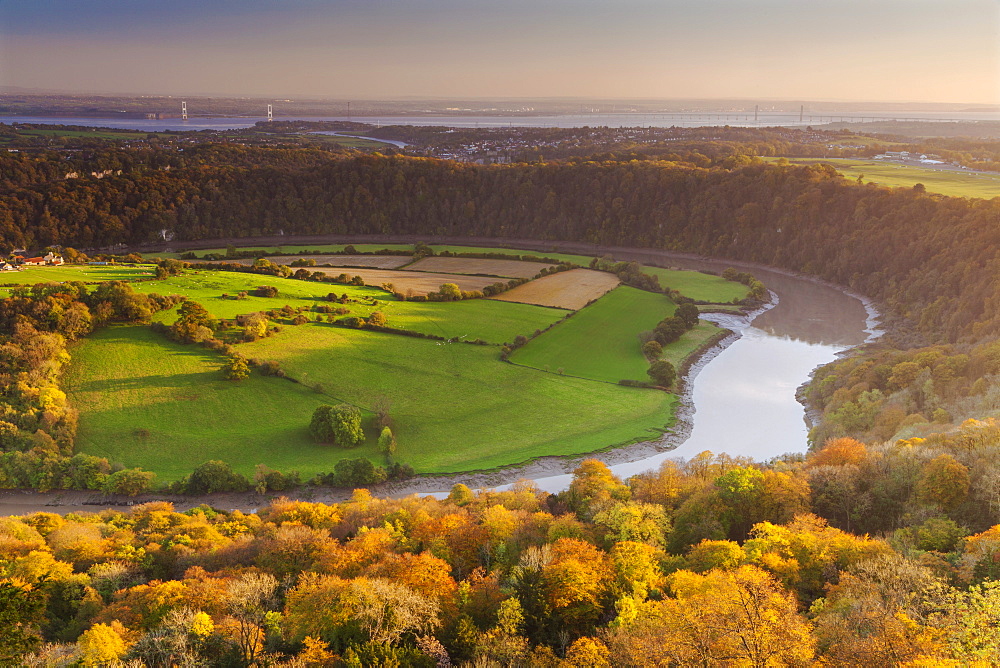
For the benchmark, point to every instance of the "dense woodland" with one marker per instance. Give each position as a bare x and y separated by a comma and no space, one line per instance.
878,547
929,259
712,562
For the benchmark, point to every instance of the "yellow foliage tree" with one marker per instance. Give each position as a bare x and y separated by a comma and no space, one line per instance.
588,652
741,617
102,644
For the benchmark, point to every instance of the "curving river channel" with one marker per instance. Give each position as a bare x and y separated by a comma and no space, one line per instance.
741,397
744,397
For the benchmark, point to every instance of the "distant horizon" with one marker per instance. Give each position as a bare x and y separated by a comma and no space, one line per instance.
278,97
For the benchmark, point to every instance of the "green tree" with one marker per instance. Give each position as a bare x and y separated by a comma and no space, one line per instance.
688,313
663,373
340,425
652,349
387,442
22,610
669,330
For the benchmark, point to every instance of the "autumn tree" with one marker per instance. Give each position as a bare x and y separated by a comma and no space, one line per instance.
236,368
740,617
102,644
944,482
593,489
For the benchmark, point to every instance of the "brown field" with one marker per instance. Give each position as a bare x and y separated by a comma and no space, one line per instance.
375,261
571,289
468,265
420,282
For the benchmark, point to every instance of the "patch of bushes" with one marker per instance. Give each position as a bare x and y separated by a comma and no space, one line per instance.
213,476
265,291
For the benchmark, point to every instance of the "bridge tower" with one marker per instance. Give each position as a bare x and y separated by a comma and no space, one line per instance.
270,114
184,111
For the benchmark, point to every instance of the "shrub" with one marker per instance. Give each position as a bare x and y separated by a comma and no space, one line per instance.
266,291
130,482
352,321
270,368
350,472
236,368
269,480
215,476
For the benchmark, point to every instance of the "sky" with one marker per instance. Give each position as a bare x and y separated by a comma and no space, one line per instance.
855,50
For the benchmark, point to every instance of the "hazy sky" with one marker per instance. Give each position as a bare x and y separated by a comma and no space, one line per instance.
907,50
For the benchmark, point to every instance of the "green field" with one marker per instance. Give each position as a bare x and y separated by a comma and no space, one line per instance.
350,142
87,134
492,321
698,286
583,260
954,183
145,401
456,406
124,380
601,342
294,248
72,272
487,319
371,248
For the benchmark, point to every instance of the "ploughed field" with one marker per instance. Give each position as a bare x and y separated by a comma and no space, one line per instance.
455,405
571,289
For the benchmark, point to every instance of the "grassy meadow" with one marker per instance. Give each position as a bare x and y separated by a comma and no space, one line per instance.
945,182
74,272
165,407
456,407
294,248
601,341
699,286
474,319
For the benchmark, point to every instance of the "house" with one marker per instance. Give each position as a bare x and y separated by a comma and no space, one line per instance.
54,259
7,266
33,261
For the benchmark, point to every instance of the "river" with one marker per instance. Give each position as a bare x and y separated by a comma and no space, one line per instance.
744,398
745,118
741,399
